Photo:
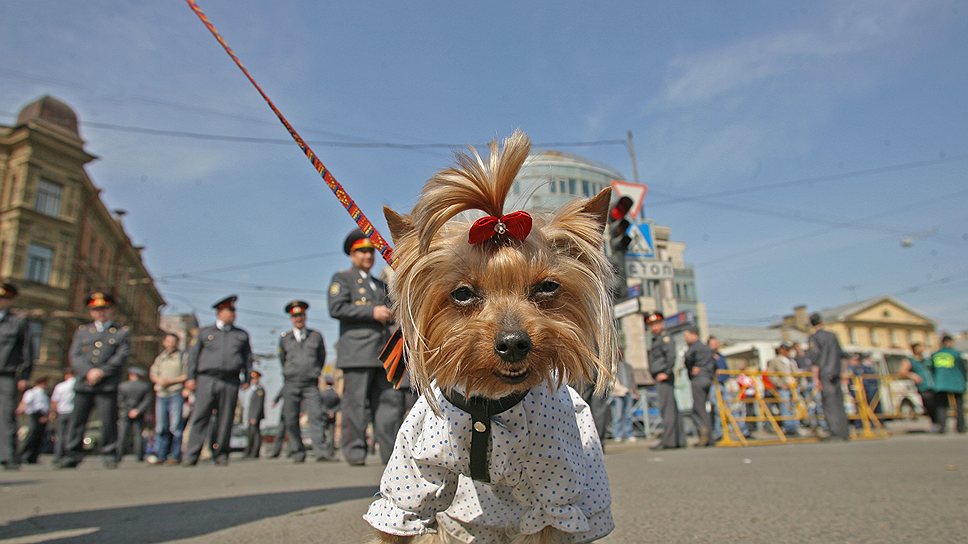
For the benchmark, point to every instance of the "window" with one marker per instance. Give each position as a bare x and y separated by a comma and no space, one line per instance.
852,332
561,186
585,189
874,341
894,341
36,333
39,259
572,187
552,186
48,198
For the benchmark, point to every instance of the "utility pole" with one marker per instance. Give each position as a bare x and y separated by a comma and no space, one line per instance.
630,145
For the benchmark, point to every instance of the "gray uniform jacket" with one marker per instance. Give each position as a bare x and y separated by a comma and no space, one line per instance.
824,351
257,403
134,395
16,347
223,354
302,361
351,301
662,356
107,350
699,355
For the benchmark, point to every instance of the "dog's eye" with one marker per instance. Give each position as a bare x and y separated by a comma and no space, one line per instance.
545,288
463,295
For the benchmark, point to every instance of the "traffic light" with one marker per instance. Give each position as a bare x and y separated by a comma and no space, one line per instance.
618,244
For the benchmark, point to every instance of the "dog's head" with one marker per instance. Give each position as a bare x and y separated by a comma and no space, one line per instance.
499,305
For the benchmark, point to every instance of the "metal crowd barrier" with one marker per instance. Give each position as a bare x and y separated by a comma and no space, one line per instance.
753,395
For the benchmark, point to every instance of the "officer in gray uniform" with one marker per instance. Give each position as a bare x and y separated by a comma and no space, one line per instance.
256,413
16,363
359,301
98,352
219,357
134,399
303,354
701,368
826,357
662,362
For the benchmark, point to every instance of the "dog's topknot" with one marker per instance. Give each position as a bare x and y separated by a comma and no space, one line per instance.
472,185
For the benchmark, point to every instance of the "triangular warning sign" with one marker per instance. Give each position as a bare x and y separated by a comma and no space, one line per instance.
635,191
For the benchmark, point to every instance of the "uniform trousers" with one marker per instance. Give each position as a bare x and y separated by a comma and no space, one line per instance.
303,397
832,398
62,430
943,404
8,419
106,404
253,440
212,393
671,434
363,387
700,415
36,432
280,434
133,428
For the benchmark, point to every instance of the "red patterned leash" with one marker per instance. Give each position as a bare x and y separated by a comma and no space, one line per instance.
365,225
393,356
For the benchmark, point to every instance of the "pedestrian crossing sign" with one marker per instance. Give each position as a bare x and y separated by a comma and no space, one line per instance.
642,245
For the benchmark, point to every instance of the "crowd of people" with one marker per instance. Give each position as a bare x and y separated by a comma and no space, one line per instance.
815,378
187,404
192,398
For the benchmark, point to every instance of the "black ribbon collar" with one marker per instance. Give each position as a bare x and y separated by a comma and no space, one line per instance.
481,409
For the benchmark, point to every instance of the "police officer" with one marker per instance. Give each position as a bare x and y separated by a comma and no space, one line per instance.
98,352
359,301
218,357
662,362
702,369
303,354
828,374
16,363
256,413
134,400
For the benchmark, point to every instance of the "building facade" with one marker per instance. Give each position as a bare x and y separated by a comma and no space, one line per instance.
58,241
658,275
874,323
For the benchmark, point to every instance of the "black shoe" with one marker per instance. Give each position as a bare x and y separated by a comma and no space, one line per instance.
325,459
222,461
11,465
68,462
299,459
190,463
356,462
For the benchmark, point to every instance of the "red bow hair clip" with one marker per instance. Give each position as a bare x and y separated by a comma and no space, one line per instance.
516,225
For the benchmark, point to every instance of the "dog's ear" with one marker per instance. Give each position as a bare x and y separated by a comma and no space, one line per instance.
400,225
597,206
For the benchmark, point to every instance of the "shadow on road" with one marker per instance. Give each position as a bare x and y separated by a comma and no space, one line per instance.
170,521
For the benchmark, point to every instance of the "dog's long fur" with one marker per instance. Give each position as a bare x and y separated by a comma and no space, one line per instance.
553,285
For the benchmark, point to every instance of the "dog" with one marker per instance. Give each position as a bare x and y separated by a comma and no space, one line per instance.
499,317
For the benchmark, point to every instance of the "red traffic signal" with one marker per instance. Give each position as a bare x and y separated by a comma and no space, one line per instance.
621,208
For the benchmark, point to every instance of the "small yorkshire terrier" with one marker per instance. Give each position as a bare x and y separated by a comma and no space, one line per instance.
498,317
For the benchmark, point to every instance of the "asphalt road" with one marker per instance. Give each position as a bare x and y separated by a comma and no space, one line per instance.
910,488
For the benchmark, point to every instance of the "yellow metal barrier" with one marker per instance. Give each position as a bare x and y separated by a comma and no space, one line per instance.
764,389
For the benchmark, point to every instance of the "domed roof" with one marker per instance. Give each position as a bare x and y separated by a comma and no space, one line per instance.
47,108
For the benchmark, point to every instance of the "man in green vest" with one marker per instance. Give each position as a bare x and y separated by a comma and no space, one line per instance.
948,367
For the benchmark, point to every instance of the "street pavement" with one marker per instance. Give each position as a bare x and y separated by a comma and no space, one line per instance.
909,488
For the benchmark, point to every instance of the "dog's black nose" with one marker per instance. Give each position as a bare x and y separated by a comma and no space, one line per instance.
512,346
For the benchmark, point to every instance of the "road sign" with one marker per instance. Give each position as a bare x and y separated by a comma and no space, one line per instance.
635,191
641,245
626,307
649,270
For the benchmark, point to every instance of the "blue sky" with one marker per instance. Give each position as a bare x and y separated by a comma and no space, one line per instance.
852,114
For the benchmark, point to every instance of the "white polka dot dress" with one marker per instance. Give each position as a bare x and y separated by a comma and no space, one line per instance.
545,465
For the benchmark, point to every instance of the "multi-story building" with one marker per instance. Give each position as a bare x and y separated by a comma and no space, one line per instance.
874,323
58,241
658,275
